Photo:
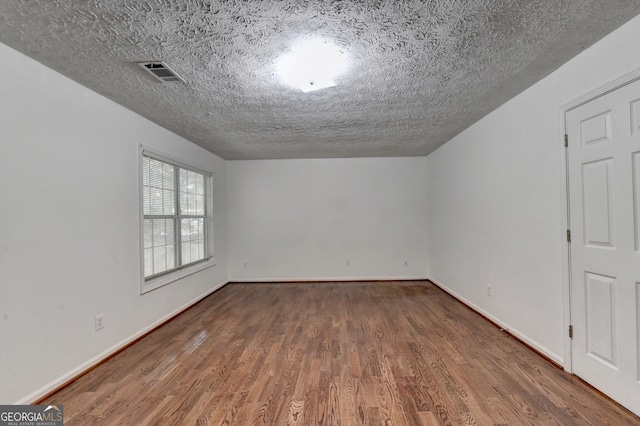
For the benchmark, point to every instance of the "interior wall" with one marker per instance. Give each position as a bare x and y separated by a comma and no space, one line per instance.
69,227
305,219
496,199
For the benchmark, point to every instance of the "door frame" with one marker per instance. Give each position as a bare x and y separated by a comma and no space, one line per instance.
566,218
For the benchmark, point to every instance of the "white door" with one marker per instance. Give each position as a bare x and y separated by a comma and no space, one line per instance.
604,206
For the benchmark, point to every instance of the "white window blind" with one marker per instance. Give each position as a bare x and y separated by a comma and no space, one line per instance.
176,215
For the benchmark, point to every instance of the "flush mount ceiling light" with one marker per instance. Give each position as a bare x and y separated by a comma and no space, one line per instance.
312,64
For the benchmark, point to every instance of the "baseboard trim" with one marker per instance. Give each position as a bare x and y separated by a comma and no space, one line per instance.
325,279
46,391
554,359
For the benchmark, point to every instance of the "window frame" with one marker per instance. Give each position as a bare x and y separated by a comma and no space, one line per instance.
180,271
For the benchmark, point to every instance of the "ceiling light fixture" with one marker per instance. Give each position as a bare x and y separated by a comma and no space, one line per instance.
312,64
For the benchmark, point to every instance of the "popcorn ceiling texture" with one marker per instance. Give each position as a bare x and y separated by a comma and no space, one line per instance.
420,73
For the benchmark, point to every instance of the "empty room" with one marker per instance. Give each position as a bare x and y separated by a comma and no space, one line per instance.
320,212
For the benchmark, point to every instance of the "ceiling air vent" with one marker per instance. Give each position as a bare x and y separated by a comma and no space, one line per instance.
161,71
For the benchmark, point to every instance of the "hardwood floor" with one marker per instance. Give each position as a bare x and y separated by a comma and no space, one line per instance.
374,353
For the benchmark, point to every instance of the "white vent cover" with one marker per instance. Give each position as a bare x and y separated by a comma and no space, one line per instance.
161,71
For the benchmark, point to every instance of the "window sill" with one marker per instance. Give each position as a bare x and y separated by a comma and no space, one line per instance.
155,283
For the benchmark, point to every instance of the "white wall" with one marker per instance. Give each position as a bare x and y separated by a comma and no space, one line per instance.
69,227
303,219
496,202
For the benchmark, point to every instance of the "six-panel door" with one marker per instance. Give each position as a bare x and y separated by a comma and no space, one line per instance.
604,211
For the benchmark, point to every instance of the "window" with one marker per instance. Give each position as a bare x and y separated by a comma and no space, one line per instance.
176,207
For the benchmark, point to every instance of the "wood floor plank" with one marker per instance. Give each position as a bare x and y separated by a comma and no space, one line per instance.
365,353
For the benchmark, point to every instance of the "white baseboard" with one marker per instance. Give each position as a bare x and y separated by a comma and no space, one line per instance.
515,332
34,396
321,279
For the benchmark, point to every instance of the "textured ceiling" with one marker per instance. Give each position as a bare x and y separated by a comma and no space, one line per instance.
419,72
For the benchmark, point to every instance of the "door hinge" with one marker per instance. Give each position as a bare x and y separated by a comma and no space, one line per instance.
569,235
566,140
570,332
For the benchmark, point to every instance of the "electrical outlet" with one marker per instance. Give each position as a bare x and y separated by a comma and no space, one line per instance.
489,291
348,263
99,322
245,265
406,262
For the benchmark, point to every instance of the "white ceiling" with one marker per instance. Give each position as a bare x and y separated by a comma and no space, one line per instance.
420,71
